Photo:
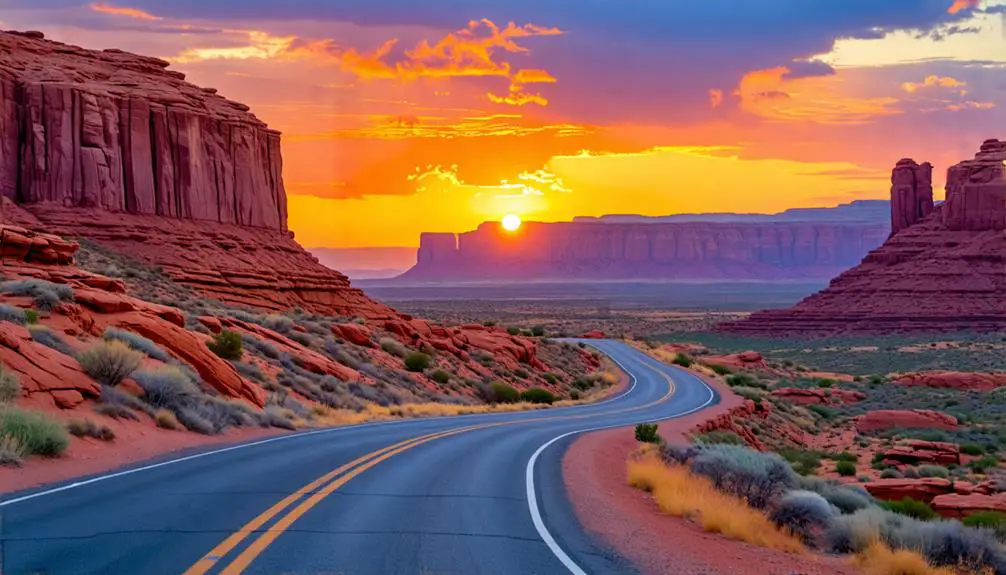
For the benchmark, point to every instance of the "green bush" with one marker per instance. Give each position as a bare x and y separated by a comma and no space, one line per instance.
36,433
647,433
109,362
983,464
550,378
972,449
489,323
513,330
825,383
500,392
227,344
10,385
804,462
537,395
994,520
845,468
523,374
682,360
574,395
911,508
720,369
719,436
743,380
824,412
417,361
440,376
393,346
933,471
537,331
31,316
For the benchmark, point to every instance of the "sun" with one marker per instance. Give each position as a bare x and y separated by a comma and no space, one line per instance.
511,222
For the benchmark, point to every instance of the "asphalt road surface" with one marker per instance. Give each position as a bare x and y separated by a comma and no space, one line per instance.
450,495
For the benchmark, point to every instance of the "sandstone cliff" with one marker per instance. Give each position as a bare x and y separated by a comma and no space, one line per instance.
943,269
622,251
117,148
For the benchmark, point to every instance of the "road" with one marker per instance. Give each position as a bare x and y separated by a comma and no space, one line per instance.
451,495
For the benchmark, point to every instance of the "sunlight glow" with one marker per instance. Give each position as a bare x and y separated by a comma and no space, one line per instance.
511,222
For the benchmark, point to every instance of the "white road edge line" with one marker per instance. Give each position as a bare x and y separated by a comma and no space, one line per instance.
114,475
532,496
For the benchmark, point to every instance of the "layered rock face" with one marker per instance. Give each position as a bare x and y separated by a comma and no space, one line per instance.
614,251
944,272
114,147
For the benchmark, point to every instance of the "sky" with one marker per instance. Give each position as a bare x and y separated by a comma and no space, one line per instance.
404,116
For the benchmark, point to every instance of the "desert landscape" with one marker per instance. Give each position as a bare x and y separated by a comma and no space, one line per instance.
584,333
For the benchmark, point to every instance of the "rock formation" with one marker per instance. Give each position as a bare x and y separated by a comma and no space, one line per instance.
883,419
624,251
942,269
116,148
953,380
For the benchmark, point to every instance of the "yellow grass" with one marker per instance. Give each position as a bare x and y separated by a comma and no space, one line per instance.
680,493
879,559
326,416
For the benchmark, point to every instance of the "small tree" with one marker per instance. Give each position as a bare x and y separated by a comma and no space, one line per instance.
227,344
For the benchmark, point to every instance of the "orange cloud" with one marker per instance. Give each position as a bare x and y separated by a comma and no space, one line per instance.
959,5
519,97
715,98
123,11
816,99
971,105
933,82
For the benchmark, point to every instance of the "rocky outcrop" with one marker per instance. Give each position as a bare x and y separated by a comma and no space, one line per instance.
23,244
697,250
43,370
960,505
944,272
973,381
915,451
911,193
116,148
833,396
924,489
743,360
883,419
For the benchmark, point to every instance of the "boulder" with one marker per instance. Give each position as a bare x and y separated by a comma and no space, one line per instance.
743,360
42,369
975,381
353,333
923,489
913,451
593,334
818,395
958,506
883,419
67,398
211,323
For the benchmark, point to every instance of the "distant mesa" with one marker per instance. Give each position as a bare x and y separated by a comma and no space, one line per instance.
802,244
942,269
119,149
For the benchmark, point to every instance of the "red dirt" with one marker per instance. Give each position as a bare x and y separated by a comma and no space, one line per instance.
628,521
135,441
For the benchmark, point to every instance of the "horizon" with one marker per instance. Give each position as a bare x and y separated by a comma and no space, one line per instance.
397,120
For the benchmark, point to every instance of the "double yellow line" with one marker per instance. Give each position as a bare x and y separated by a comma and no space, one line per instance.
325,485
334,479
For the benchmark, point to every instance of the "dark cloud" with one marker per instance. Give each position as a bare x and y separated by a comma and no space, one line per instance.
808,69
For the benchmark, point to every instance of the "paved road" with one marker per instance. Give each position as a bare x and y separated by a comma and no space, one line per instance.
461,495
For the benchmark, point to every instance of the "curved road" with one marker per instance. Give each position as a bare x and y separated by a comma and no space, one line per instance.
459,495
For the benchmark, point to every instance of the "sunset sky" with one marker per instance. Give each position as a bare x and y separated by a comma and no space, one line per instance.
403,116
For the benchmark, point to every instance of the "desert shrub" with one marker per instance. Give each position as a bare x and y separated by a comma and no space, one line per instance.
720,369
250,370
523,374
440,376
845,468
166,419
88,428
754,476
212,415
933,471
825,383
647,433
417,361
115,397
167,387
582,384
513,330
846,499
719,436
550,378
137,342
276,322
31,316
37,433
489,323
911,508
803,512
393,346
983,463
972,449
301,338
499,392
843,456
49,338
11,451
538,395
12,314
227,344
109,362
45,294
744,380
804,461
987,519
890,474
537,331
682,360
275,416
10,385
748,393
574,395
115,411
823,411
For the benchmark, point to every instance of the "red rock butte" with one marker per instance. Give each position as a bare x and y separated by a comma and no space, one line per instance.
116,148
943,268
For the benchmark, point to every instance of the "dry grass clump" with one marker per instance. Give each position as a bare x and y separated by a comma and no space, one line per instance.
681,493
879,559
